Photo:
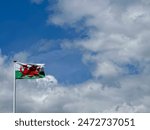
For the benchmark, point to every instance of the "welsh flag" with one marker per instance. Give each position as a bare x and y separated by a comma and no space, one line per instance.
29,71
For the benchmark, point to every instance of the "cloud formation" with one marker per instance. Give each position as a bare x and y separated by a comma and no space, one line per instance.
117,46
118,33
116,51
47,95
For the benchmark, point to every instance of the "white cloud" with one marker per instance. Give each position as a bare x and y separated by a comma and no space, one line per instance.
47,95
106,69
126,108
119,33
76,10
118,40
91,96
47,81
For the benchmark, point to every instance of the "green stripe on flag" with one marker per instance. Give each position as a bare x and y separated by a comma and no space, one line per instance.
19,75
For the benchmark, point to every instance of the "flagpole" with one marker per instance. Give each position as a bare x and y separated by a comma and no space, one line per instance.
14,90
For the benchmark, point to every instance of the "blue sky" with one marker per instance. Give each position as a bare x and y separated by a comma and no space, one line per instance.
96,53
23,25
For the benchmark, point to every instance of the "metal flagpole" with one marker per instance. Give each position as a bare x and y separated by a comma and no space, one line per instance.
14,90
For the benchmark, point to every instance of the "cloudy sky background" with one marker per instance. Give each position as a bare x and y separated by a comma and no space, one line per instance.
97,55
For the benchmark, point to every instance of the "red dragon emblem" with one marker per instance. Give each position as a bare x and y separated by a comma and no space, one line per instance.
30,71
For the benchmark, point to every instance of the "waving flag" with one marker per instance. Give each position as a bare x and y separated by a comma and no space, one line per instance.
29,71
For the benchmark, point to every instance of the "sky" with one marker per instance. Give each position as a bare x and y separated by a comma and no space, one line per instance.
96,55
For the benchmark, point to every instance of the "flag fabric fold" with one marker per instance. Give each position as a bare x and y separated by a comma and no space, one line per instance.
29,71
